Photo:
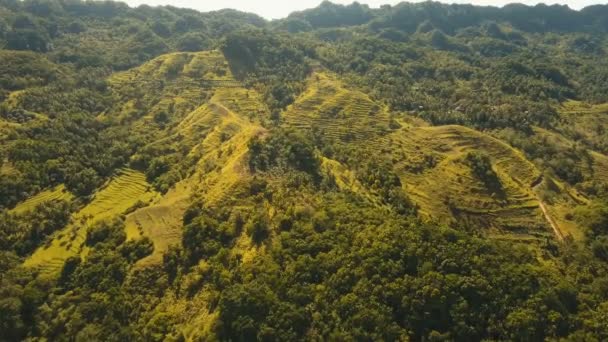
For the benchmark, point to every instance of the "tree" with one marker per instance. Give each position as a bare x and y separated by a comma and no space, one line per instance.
193,42
28,39
83,182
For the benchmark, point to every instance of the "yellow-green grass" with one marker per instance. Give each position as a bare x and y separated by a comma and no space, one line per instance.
561,211
7,168
218,131
599,162
565,198
161,222
246,102
57,193
168,81
193,315
585,122
223,166
6,128
346,179
120,194
576,107
182,66
600,167
446,189
15,100
339,114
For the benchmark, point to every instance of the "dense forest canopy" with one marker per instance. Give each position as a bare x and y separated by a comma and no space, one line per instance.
422,171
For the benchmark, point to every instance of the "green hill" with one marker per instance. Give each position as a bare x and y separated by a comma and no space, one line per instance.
411,172
122,193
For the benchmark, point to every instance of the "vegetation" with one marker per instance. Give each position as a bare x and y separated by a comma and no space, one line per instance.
481,166
412,172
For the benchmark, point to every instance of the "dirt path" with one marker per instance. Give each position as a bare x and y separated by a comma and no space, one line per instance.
543,207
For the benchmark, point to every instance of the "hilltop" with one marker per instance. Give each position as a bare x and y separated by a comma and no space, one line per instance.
413,172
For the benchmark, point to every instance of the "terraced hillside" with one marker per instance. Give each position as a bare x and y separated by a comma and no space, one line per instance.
413,172
6,168
207,129
171,83
123,192
337,113
213,125
600,166
563,198
58,193
431,161
586,122
432,164
214,135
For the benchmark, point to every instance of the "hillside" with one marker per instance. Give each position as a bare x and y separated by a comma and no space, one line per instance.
422,172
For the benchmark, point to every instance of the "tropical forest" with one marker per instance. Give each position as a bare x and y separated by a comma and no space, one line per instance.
410,172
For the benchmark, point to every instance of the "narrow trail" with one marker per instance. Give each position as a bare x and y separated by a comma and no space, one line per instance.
545,211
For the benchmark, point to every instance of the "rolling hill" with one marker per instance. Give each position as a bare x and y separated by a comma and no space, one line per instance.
419,171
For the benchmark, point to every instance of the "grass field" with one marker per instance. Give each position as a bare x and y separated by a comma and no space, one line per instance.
7,168
339,114
585,122
57,193
432,167
170,83
161,221
429,160
120,194
216,131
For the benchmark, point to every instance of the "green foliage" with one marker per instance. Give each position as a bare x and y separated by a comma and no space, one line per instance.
481,165
380,177
23,233
404,280
329,14
83,183
258,227
25,69
595,218
275,64
284,150
108,234
241,308
204,236
193,42
293,251
563,160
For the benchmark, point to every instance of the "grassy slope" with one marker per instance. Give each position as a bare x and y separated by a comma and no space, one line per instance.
447,191
7,168
215,124
339,114
589,124
585,122
120,194
217,133
57,193
565,198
